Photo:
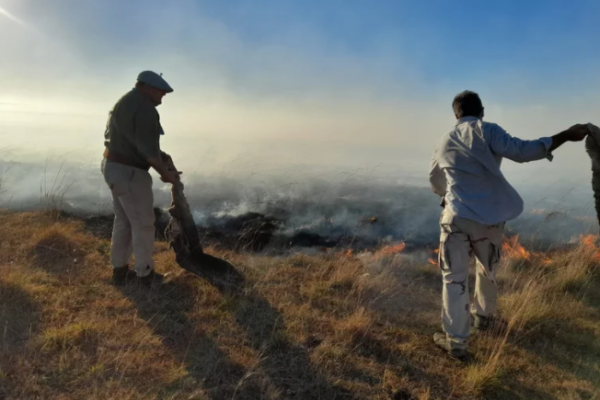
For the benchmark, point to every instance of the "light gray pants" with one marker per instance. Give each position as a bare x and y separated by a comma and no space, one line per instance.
460,239
133,230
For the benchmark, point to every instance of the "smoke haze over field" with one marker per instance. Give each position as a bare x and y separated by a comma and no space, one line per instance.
361,204
329,111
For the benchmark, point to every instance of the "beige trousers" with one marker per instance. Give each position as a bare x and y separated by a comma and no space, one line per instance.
460,239
133,230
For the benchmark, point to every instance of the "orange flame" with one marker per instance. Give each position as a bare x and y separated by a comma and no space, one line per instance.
546,261
432,260
395,249
513,249
589,242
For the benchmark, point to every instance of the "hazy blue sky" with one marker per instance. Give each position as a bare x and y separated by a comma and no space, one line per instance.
346,83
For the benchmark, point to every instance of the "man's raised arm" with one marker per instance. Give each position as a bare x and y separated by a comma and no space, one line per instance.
576,133
518,150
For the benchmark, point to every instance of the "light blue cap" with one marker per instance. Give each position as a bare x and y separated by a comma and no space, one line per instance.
155,80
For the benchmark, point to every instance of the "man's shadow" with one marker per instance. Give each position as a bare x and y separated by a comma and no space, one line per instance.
20,317
165,308
284,367
287,365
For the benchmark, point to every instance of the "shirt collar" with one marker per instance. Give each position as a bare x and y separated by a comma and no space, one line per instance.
466,119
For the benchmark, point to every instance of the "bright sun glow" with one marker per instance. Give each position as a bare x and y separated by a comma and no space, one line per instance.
13,18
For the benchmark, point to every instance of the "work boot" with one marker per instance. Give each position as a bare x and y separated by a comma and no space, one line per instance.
480,323
122,275
441,340
152,279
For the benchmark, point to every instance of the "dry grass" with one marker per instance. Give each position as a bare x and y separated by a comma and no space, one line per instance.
542,308
334,326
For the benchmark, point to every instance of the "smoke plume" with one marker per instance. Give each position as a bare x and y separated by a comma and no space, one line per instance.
351,209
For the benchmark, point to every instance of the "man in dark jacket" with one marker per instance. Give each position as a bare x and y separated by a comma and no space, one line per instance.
132,147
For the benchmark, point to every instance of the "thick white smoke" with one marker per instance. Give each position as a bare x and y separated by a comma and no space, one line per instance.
367,207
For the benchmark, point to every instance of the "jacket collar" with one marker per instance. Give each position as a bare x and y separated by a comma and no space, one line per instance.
466,119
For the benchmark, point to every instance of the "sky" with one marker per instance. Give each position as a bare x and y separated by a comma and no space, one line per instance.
280,84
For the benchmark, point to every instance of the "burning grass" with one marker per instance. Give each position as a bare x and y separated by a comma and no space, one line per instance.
393,249
514,250
340,325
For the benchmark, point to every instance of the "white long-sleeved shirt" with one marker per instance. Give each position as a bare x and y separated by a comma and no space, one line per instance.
465,170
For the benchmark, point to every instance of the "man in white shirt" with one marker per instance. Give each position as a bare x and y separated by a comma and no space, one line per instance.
477,201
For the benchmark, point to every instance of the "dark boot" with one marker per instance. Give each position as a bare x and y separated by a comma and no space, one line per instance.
441,340
122,275
481,324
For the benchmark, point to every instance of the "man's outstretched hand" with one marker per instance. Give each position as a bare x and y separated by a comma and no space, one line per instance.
577,133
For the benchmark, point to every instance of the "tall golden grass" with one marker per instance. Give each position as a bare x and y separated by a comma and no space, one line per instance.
336,325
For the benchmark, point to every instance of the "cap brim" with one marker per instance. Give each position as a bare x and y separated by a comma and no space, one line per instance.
164,86
161,85
166,89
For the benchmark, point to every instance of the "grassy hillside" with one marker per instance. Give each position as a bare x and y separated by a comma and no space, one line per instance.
333,326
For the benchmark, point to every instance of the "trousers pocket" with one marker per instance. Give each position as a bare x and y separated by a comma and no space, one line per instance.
116,174
444,254
494,256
